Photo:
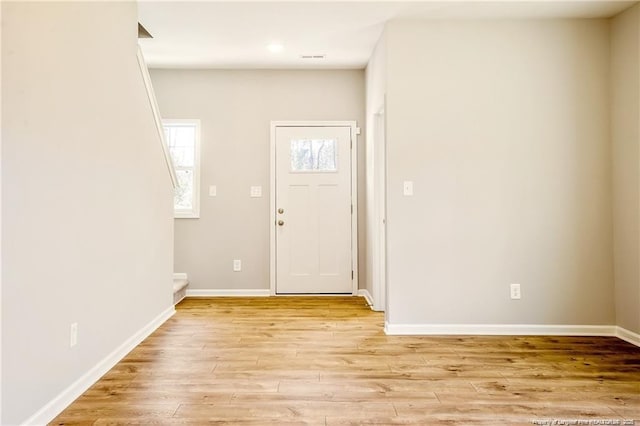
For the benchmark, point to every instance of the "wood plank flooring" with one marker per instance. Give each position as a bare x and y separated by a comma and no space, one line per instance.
327,361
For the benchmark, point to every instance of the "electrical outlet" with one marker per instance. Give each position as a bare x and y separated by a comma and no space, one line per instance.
237,265
515,291
73,334
255,192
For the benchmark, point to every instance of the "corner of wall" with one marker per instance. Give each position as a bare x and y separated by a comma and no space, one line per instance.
1,217
625,132
375,80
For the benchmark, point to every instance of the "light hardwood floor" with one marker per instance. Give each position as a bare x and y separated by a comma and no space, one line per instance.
326,360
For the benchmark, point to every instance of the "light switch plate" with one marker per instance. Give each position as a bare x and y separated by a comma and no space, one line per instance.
256,191
407,188
515,291
213,191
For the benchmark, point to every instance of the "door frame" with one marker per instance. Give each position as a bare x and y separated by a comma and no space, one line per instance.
379,270
354,194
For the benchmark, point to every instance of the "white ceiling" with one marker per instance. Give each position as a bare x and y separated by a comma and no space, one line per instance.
235,34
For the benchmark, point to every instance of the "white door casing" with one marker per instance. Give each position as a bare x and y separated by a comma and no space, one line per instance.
314,213
380,212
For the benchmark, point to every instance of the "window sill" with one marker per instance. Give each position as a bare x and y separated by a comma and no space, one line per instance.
186,216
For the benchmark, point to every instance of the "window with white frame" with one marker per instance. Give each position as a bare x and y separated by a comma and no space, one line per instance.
183,139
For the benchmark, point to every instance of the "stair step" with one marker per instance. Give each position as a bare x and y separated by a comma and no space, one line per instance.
179,289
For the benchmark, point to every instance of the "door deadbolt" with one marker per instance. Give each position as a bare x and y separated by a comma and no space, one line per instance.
280,211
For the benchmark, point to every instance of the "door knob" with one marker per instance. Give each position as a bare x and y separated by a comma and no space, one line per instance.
280,222
280,211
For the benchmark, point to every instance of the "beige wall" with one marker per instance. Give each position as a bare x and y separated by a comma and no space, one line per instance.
235,108
625,65
503,126
86,197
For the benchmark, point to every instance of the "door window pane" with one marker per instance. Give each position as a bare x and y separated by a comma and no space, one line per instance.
314,155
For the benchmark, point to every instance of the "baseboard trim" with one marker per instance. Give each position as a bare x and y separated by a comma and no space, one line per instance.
54,407
363,292
628,336
197,292
500,329
180,276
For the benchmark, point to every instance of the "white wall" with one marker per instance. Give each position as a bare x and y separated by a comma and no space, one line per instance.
0,215
375,77
235,108
504,128
87,228
625,62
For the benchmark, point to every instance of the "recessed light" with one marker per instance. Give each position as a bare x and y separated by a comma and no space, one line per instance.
275,47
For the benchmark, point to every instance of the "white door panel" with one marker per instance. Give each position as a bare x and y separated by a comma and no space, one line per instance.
313,210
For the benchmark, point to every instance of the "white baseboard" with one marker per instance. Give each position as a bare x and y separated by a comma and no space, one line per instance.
512,330
363,292
628,336
214,292
231,292
180,276
77,388
500,329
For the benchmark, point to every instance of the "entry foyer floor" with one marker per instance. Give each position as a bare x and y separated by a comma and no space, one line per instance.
327,361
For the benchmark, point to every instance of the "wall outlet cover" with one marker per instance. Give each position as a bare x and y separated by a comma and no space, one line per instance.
256,191
73,334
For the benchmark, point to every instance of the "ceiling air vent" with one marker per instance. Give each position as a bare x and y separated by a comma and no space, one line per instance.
313,56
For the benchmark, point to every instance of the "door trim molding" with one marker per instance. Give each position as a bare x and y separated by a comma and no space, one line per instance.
354,195
379,242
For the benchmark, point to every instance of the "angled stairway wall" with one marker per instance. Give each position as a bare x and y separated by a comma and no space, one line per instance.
87,215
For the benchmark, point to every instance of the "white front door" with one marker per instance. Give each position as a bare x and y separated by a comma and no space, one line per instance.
313,210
